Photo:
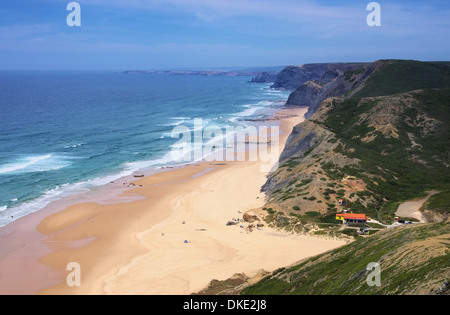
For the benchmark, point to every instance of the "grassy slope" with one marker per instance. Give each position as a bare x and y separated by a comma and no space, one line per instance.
392,169
398,76
413,260
389,157
439,203
403,177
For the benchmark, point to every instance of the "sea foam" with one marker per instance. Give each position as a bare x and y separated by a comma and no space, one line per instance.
129,129
39,163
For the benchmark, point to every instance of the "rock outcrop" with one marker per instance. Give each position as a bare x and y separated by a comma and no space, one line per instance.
233,285
264,77
294,76
338,80
355,146
250,217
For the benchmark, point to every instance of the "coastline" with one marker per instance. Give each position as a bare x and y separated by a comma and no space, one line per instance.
136,245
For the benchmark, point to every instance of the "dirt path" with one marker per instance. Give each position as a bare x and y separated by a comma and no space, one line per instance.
411,209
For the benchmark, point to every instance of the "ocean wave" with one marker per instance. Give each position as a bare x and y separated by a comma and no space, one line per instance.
68,190
181,118
265,103
19,165
132,167
23,209
173,124
35,163
250,111
176,121
8,214
74,146
144,132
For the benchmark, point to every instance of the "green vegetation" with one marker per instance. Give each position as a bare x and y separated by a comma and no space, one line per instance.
330,218
439,203
399,170
393,137
270,211
349,74
308,152
313,214
344,271
304,182
399,76
325,220
293,162
350,232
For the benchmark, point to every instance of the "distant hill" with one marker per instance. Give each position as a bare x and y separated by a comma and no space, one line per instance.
264,77
399,76
194,72
253,71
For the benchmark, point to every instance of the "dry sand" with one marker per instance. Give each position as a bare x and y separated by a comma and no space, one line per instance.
137,247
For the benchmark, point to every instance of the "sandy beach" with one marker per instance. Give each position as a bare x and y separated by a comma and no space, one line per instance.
138,246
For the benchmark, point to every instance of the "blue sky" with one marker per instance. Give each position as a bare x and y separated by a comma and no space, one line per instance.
208,34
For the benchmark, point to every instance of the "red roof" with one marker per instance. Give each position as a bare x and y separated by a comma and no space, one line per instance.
354,216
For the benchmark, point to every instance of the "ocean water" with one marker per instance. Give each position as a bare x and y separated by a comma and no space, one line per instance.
63,133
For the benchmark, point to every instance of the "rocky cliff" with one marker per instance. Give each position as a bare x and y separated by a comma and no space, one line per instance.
264,77
380,135
313,83
379,142
346,79
294,76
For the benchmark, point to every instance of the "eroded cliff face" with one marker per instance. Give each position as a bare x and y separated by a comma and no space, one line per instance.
378,136
264,77
300,180
338,80
371,151
294,76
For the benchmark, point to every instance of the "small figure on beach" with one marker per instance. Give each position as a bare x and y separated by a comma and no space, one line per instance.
186,242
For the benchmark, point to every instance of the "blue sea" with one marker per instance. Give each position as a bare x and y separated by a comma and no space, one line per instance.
62,133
